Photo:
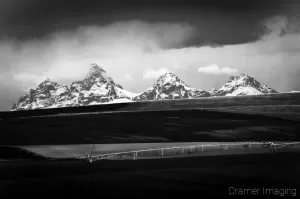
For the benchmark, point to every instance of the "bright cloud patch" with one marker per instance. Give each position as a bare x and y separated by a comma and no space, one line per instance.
153,74
128,77
32,80
216,70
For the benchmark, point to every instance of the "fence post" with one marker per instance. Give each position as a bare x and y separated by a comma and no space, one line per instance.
162,151
202,148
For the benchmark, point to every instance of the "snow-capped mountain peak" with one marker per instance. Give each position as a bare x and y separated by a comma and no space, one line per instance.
168,78
243,84
96,71
46,80
96,88
46,94
244,75
98,74
170,86
48,84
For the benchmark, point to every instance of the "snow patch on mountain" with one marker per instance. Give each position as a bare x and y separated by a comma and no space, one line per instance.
121,93
244,91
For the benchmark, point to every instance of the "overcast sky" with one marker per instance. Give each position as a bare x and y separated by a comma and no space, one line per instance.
202,42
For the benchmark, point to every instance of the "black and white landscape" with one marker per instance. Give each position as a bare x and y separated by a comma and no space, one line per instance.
148,99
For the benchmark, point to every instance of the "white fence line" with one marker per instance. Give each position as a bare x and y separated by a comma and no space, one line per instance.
224,146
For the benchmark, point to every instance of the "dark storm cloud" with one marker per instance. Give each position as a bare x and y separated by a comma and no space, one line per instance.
26,19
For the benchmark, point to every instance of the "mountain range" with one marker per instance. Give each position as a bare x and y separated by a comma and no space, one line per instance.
98,88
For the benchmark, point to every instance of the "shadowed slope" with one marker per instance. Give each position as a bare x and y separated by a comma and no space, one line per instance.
146,127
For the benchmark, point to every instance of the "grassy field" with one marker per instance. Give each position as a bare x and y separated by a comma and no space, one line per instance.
140,151
219,119
187,177
147,127
150,150
290,112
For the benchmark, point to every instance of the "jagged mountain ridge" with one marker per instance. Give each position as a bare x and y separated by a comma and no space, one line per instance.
169,86
98,88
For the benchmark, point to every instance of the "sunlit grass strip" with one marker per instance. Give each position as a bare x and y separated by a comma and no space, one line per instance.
183,150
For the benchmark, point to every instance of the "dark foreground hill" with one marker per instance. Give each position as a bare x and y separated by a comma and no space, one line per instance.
197,177
197,120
